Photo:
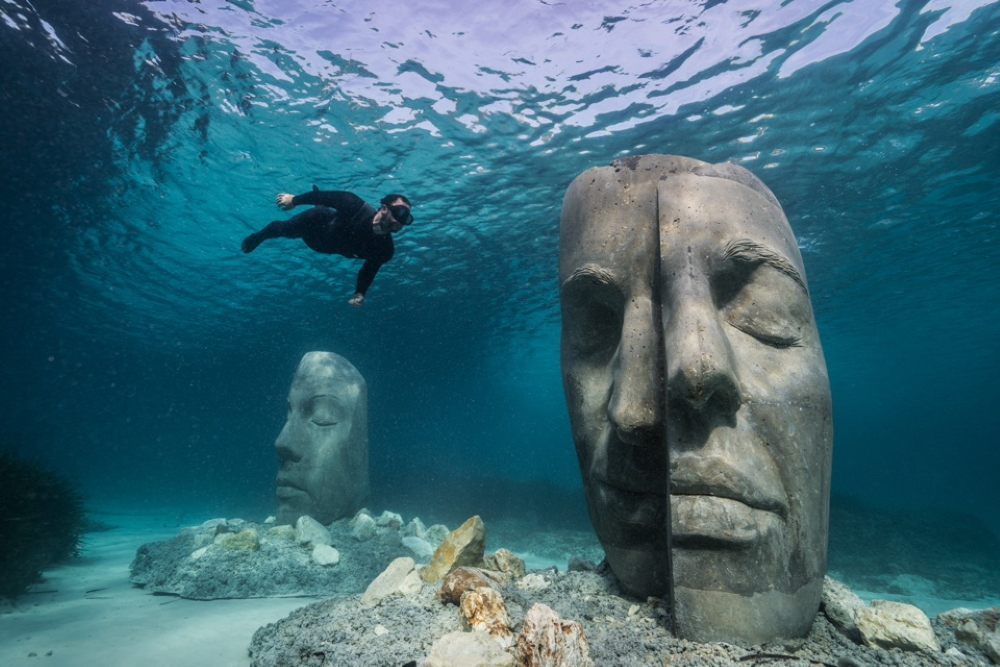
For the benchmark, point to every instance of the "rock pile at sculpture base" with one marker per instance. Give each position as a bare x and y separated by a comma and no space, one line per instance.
232,558
477,616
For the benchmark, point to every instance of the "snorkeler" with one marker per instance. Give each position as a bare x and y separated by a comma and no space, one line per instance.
341,223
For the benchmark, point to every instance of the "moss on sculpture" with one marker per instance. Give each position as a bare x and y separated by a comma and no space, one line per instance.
41,522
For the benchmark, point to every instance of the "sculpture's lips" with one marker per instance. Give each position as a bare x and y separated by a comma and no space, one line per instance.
713,522
710,502
708,476
287,488
695,475
713,503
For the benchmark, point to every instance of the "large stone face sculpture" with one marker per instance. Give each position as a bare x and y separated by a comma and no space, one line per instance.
323,447
691,362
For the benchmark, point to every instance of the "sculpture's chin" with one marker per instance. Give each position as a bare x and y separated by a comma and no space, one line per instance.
632,529
292,503
639,572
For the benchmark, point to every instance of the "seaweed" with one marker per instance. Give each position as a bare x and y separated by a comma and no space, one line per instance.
41,522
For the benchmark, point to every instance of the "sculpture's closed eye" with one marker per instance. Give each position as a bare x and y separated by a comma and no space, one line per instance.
766,304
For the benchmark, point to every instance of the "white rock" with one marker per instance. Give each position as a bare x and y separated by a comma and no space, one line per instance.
412,583
415,528
389,520
389,582
198,553
381,630
360,513
363,527
890,624
532,582
468,649
310,532
421,548
324,554
207,532
840,605
436,534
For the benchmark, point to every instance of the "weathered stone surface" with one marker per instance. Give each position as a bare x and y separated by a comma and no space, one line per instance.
324,554
546,640
840,605
468,649
462,546
503,560
484,609
888,624
389,582
463,579
310,532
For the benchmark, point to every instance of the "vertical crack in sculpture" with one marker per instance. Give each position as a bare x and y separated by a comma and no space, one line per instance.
661,373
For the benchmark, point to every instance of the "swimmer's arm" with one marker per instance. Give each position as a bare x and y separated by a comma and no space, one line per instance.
338,199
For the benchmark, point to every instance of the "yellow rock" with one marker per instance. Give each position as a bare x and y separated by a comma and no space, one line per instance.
246,539
462,546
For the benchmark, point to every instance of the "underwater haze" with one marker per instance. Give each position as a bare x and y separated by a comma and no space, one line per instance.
148,359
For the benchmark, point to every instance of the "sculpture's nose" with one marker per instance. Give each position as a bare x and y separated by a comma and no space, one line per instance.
699,363
286,444
635,405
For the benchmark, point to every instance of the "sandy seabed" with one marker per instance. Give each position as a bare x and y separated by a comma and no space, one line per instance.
86,613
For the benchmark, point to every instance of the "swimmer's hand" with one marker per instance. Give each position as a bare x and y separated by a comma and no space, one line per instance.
357,299
285,201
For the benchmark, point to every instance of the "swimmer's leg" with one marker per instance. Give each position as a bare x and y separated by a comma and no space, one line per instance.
294,228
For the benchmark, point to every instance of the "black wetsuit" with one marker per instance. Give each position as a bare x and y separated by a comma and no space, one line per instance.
340,223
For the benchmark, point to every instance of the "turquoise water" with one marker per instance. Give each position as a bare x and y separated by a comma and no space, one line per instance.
146,357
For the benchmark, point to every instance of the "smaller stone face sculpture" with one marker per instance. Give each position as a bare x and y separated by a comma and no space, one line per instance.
323,447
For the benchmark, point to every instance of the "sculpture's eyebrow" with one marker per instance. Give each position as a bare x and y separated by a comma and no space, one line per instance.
751,252
590,273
